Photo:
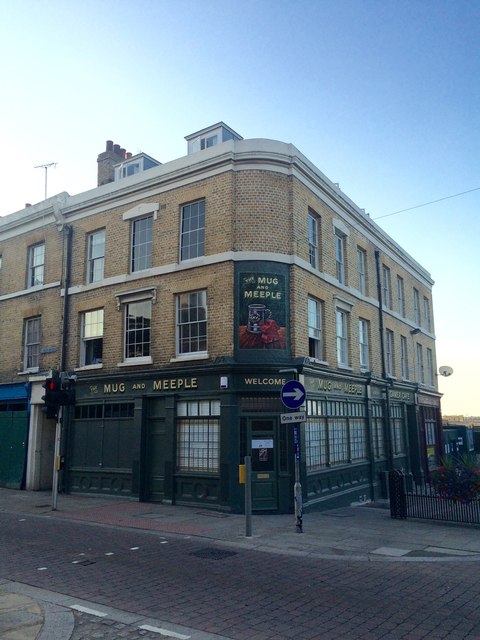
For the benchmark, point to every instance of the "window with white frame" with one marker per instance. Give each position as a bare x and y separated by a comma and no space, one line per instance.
313,235
91,348
430,367
130,169
398,422
426,314
420,369
141,257
341,324
36,264
31,358
378,431
96,256
335,433
416,307
430,421
340,243
210,141
362,270
338,440
138,320
386,287
192,323
404,356
315,442
315,334
389,355
192,233
363,343
198,436
358,438
401,296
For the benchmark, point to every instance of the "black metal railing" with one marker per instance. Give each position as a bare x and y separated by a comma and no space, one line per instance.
409,499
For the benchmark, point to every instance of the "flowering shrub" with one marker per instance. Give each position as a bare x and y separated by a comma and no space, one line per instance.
458,479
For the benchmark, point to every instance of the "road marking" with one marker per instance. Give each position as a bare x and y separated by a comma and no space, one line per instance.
451,552
42,569
134,548
92,612
164,632
110,553
390,551
164,542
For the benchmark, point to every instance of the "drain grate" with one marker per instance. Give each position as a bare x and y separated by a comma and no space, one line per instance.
213,554
212,514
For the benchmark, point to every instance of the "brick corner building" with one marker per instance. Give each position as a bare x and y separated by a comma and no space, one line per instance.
184,295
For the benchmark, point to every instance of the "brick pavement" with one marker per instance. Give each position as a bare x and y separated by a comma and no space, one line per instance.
237,593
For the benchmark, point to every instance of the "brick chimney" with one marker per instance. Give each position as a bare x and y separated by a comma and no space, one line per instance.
112,155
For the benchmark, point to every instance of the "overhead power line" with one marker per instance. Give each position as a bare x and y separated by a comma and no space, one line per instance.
455,195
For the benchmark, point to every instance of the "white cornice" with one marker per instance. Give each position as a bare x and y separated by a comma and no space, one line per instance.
233,155
29,291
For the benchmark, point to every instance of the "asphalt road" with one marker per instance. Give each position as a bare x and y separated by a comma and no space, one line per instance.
236,593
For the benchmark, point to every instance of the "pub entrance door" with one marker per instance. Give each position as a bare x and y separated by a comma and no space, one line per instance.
263,450
157,451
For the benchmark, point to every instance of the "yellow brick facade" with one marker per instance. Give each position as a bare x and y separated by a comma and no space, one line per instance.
246,211
257,207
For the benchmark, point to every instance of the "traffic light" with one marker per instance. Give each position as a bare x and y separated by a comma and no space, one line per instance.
67,388
59,392
52,397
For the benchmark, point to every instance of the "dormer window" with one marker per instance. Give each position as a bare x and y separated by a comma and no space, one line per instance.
130,169
133,165
210,137
205,143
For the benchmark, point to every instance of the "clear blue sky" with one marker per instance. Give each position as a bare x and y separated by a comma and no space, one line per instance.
383,96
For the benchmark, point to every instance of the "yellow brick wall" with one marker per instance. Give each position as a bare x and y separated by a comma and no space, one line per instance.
248,210
305,283
14,252
217,280
45,303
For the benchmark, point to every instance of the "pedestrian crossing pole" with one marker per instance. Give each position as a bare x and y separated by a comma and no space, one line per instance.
56,458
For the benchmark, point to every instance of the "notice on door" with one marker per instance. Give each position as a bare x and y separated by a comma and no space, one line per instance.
264,443
262,454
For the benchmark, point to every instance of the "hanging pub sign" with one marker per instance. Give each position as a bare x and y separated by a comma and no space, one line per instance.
262,310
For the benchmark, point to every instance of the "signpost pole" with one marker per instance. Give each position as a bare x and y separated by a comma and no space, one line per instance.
293,395
297,488
56,458
248,496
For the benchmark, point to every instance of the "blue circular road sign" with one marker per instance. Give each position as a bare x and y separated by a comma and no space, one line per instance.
293,394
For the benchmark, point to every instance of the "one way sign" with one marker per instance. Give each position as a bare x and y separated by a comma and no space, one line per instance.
293,394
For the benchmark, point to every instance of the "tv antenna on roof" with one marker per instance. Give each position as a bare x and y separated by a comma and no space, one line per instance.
46,167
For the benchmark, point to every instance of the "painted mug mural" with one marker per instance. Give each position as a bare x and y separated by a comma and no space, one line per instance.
262,326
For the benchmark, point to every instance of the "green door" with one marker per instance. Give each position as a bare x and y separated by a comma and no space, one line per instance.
264,465
156,448
13,438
